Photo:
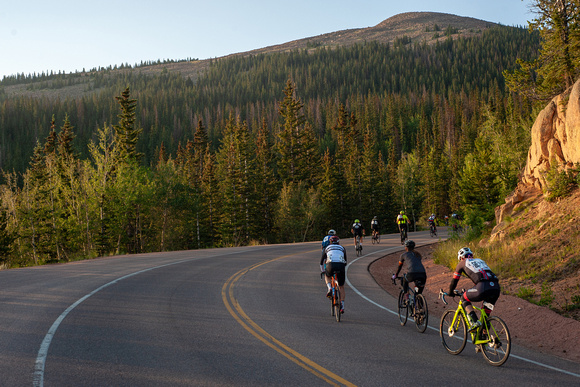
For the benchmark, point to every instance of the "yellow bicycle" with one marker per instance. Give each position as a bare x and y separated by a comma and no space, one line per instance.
492,338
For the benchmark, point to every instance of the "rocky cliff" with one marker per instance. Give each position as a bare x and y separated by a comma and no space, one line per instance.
555,139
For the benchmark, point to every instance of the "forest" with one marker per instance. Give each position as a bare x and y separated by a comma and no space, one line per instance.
261,149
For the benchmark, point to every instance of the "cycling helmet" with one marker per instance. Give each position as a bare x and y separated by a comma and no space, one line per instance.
357,221
331,232
334,240
464,253
433,215
402,212
375,217
410,243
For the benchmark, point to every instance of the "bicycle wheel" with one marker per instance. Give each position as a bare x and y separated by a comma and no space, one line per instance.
378,238
336,302
373,239
497,351
453,336
403,311
421,313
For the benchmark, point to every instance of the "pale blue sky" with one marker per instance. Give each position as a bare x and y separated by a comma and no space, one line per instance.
69,35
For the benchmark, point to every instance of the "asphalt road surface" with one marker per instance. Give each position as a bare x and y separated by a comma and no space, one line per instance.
248,316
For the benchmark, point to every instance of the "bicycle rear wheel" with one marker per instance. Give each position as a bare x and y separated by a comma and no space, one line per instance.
453,335
421,313
336,304
497,351
403,311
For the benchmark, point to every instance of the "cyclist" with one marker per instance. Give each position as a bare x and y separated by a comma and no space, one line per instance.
402,222
431,221
326,240
486,284
414,268
334,261
357,229
375,226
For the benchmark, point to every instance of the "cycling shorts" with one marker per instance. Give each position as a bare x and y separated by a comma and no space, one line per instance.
339,269
420,279
358,232
483,291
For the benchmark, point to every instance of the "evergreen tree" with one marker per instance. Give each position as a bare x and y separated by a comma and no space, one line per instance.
556,67
297,146
126,132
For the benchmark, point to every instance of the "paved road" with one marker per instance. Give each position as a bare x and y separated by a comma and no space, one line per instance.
246,316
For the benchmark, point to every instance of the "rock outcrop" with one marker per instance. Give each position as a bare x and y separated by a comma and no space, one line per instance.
555,139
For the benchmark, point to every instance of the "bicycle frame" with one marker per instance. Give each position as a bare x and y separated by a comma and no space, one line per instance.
483,318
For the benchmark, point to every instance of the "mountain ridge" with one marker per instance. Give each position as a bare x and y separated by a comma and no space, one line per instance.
417,26
413,27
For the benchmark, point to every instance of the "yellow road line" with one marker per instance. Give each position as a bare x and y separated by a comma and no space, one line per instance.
248,324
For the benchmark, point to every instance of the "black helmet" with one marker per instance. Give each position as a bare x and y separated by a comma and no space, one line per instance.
410,244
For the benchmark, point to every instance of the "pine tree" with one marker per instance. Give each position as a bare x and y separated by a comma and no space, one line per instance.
297,147
126,132
556,67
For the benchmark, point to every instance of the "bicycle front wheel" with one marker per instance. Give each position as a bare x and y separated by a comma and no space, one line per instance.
453,333
497,351
378,238
421,313
336,302
403,311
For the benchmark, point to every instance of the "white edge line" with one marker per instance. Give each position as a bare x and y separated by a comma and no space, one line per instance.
437,329
39,364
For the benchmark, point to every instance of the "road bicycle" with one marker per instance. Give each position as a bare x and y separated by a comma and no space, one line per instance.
492,338
358,246
335,304
432,229
403,231
376,237
414,305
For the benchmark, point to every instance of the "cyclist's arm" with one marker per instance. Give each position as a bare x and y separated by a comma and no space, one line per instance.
399,269
456,277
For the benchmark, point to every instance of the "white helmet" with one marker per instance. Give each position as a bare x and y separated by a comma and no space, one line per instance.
331,232
464,253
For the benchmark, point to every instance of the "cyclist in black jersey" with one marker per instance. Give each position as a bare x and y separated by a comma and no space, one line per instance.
486,284
357,229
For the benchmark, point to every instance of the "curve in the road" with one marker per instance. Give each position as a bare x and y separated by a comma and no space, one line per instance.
248,324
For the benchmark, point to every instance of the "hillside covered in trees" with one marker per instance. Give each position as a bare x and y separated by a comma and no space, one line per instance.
263,148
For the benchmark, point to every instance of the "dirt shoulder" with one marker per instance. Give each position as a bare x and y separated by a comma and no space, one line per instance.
526,321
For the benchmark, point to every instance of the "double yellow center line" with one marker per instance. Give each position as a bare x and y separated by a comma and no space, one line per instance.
242,318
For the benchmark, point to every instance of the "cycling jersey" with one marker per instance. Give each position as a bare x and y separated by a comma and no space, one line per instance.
333,253
402,219
334,259
415,271
375,224
486,283
326,241
412,262
357,229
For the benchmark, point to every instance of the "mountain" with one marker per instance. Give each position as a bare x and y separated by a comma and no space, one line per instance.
416,27
411,27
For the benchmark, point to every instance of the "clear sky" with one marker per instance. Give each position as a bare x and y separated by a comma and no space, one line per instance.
70,35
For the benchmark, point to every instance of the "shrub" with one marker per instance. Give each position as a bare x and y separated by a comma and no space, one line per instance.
526,293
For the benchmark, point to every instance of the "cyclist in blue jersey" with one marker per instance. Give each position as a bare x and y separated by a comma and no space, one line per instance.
326,240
